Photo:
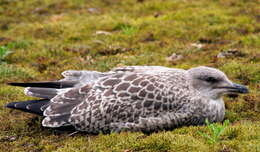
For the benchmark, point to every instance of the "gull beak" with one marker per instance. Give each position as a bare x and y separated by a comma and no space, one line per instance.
235,88
240,88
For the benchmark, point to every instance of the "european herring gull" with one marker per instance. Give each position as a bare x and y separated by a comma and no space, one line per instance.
132,98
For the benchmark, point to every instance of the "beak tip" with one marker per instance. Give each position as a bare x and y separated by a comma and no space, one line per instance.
241,88
246,90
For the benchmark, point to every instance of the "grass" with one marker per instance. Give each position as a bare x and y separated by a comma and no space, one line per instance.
128,29
47,37
215,131
4,51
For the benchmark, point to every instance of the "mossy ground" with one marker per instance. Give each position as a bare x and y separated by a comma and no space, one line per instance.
48,37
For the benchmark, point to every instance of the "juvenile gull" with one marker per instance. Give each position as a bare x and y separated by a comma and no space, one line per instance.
133,98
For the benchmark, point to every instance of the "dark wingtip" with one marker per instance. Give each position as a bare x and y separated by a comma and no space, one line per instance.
51,84
18,84
11,83
31,106
11,105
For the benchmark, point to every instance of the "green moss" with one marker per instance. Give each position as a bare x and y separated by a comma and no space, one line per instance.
8,72
48,37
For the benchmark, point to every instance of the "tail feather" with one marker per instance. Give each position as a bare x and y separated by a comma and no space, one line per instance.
49,84
31,106
56,121
37,107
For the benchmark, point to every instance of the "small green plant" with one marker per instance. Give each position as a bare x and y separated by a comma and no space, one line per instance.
128,30
215,131
4,51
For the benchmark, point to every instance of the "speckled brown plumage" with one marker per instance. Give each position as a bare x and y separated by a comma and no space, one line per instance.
135,98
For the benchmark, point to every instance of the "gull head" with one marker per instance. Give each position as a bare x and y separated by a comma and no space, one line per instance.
213,83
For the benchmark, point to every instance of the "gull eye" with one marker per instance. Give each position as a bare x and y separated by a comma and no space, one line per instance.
211,79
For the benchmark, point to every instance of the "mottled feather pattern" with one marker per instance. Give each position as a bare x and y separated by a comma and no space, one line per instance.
133,98
120,97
